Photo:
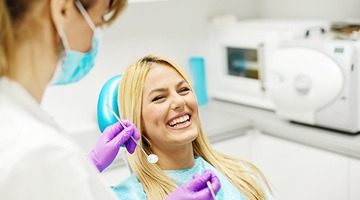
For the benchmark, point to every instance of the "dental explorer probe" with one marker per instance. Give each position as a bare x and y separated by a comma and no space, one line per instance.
152,158
211,190
210,186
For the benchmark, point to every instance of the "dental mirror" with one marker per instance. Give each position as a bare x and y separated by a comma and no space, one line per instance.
152,158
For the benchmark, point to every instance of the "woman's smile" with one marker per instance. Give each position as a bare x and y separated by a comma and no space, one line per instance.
180,121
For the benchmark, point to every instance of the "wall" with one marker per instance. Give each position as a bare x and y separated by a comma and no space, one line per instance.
310,9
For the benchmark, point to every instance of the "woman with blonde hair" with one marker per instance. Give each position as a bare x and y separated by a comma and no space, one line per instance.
158,98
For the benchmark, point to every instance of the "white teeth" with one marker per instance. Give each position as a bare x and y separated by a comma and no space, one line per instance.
179,120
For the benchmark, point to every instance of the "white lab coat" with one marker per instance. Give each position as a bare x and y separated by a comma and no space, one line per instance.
37,160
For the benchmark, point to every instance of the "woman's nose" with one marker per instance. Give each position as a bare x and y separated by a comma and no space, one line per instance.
178,102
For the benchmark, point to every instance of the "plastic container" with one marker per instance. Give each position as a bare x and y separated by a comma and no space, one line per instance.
198,75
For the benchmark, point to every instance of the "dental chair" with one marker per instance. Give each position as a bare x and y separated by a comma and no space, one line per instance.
109,95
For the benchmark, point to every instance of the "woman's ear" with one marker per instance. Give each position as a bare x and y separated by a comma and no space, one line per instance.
60,11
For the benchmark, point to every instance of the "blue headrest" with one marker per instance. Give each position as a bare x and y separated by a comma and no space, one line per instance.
108,95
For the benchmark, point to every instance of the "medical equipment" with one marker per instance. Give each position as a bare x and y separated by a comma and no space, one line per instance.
152,158
316,82
239,56
211,190
209,186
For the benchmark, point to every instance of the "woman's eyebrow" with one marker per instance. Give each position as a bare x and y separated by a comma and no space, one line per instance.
157,90
164,89
180,83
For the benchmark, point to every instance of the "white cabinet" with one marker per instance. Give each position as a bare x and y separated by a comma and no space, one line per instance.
238,146
354,176
115,175
118,171
296,171
299,172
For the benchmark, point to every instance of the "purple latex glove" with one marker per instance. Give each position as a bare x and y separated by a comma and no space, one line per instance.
196,189
108,145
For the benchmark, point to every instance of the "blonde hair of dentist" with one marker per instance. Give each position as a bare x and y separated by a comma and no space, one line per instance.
16,22
39,161
156,183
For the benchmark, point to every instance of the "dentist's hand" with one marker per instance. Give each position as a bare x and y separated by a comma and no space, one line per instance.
108,145
196,189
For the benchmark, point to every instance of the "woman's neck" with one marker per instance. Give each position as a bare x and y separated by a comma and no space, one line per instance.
176,159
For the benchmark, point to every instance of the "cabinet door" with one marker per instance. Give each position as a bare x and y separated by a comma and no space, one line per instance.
299,172
115,175
238,146
354,176
118,171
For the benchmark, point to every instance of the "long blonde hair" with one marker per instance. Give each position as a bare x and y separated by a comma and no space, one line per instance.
6,38
157,185
12,14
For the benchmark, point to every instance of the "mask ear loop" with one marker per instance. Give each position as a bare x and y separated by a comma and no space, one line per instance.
85,15
62,54
63,37
87,19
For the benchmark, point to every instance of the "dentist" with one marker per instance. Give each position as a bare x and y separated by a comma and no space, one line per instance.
55,42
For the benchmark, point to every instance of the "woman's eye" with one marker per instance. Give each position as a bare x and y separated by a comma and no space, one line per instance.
185,89
157,98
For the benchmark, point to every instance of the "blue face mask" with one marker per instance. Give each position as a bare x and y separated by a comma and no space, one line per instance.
74,65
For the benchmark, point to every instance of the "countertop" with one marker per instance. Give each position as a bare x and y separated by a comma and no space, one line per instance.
270,124
220,124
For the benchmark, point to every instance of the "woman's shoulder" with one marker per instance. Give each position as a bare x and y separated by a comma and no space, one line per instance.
130,188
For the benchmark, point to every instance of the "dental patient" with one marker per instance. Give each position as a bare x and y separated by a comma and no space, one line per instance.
158,98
